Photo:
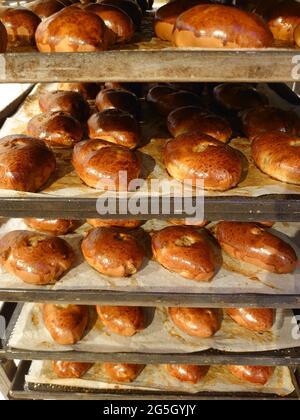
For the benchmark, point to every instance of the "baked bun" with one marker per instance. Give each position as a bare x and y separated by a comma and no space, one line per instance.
116,223
198,158
70,102
197,322
35,258
87,90
254,245
258,320
218,26
261,120
131,8
120,99
103,165
118,23
166,99
185,251
278,155
191,118
165,17
112,253
57,129
45,8
236,97
72,30
191,374
65,323
122,372
259,375
116,127
70,369
283,20
53,226
189,222
26,163
122,320
20,25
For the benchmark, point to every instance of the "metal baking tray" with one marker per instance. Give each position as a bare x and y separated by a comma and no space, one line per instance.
40,392
288,357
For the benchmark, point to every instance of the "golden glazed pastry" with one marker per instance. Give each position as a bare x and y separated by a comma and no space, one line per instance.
70,369
53,226
259,375
122,320
191,374
20,24
115,223
45,8
112,253
88,90
236,97
120,99
283,19
35,258
254,319
122,372
130,7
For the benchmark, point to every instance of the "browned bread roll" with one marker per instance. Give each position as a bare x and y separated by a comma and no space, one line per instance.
261,120
20,24
186,251
259,375
259,320
70,369
122,372
45,8
283,19
26,163
128,6
119,24
238,97
35,258
122,320
191,374
103,165
218,26
128,224
197,322
65,323
250,243
278,155
118,99
3,38
112,253
191,118
196,157
87,90
53,226
115,126
70,102
165,17
57,129
188,222
166,99
72,30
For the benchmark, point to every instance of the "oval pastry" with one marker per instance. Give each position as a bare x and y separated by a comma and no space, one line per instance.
259,375
53,226
122,320
20,25
259,320
131,8
283,19
120,99
88,90
122,372
191,374
70,369
45,8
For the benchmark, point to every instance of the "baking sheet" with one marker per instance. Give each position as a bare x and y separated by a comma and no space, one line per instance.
66,183
155,378
154,278
160,336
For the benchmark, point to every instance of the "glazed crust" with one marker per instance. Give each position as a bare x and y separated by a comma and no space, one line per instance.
53,226
278,155
116,127
120,99
195,156
128,6
191,118
185,251
70,369
122,320
26,164
102,165
20,24
258,320
191,374
259,375
218,26
57,129
65,323
115,223
112,253
72,30
283,20
261,120
122,372
35,258
250,243
197,322
45,8
238,97
87,90
70,102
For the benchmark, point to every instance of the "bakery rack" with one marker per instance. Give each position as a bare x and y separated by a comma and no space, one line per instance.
148,62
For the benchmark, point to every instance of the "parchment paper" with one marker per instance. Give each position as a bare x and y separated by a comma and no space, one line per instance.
154,377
